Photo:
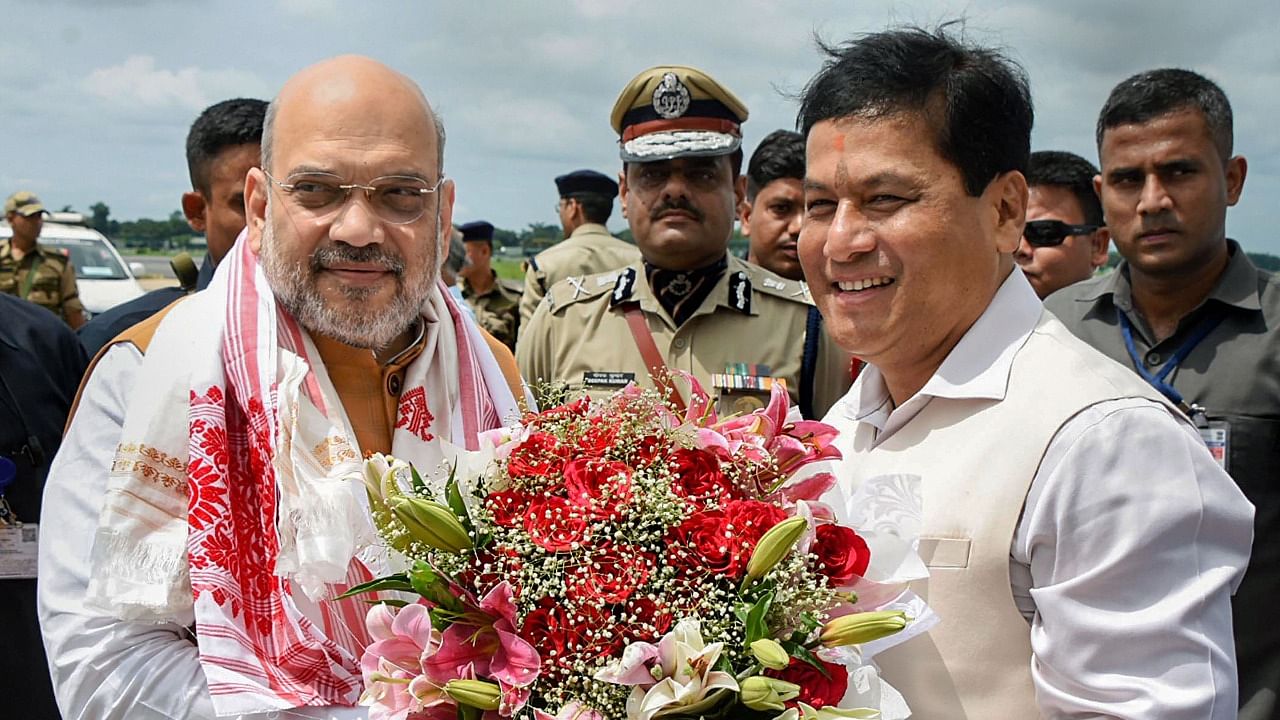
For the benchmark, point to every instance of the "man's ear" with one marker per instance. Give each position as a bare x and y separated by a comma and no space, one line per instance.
1099,247
1237,168
256,187
744,216
739,190
194,207
622,189
1007,198
447,192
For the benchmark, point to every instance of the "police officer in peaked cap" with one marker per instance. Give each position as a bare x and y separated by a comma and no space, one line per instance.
586,202
687,305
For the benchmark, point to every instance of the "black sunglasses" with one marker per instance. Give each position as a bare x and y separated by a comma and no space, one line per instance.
1047,233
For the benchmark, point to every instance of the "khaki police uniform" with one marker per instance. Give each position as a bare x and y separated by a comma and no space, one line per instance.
43,276
498,309
589,249
750,329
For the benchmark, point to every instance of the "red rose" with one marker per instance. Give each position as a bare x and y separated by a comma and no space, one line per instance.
842,553
611,575
816,689
538,456
547,628
508,507
554,524
601,487
652,620
697,476
751,519
704,542
597,440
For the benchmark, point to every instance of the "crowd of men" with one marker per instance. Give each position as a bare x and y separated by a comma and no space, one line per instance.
1097,451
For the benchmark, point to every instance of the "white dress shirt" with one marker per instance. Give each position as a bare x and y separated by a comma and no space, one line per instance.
105,668
1129,546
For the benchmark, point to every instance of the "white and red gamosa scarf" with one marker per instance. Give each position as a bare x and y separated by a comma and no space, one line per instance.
236,484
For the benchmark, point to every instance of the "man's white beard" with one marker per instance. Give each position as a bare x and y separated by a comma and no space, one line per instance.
294,285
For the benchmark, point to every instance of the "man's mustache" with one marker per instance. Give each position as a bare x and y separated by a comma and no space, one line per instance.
680,204
329,255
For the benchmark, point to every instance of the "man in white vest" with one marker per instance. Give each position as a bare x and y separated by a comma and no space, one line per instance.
1083,544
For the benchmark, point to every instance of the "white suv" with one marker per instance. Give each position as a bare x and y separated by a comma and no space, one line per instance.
102,276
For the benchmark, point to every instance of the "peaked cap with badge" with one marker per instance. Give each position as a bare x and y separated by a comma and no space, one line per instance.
672,111
735,327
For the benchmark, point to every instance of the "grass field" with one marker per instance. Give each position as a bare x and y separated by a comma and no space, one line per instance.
509,269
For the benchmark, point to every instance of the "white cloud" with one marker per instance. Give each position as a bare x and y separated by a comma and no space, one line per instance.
138,82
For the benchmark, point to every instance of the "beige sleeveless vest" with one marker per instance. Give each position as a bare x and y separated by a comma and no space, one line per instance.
976,459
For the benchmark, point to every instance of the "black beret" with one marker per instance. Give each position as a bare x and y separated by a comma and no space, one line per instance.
586,181
478,230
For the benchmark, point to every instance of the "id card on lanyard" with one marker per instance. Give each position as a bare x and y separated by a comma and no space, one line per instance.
1216,434
18,541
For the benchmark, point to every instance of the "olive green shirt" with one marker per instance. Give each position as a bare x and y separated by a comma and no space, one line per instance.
750,328
43,276
1234,373
589,249
498,309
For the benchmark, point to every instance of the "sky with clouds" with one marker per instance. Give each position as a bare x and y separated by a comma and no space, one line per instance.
97,95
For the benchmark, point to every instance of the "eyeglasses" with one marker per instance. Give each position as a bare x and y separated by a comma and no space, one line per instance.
397,199
1047,233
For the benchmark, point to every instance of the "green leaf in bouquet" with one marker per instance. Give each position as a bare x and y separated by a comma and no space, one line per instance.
430,585
753,622
399,582
417,483
454,497
466,712
803,654
390,601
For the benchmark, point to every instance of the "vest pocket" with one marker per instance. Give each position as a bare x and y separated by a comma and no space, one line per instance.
945,552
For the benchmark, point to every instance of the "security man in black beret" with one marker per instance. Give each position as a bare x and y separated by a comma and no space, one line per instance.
688,305
495,301
586,201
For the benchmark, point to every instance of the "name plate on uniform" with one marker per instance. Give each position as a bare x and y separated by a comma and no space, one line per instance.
18,551
595,378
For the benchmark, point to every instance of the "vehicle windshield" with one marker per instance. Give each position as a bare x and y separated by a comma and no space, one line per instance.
93,261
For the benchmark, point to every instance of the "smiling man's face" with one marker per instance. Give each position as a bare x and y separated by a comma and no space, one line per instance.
900,259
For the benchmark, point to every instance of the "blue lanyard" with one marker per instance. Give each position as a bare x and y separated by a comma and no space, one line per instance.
1157,381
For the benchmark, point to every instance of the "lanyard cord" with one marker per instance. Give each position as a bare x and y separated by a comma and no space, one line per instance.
1206,326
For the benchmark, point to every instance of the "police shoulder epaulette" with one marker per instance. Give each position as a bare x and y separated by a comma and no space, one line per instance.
577,288
531,263
767,283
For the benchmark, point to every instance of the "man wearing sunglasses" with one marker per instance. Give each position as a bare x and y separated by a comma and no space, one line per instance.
1191,314
207,498
1063,241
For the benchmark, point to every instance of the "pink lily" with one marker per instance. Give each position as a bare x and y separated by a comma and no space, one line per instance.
394,667
485,640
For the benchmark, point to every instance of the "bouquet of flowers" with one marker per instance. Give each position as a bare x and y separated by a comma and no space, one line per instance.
610,559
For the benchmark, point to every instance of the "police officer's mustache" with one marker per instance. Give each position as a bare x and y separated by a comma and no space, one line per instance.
678,205
330,255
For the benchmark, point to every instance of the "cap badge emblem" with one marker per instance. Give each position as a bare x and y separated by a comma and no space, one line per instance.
671,97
